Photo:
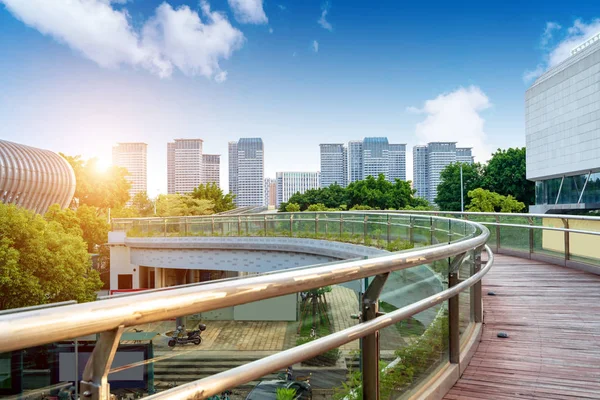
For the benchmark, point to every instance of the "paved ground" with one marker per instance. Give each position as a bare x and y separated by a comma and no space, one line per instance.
343,302
552,317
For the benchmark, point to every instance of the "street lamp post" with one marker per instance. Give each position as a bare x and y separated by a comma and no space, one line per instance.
462,196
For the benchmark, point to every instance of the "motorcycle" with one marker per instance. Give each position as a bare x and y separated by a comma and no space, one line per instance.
181,337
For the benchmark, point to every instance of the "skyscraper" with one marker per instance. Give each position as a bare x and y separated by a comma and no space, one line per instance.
355,161
233,168
430,160
246,171
184,165
212,169
270,192
290,183
397,162
375,156
334,161
132,156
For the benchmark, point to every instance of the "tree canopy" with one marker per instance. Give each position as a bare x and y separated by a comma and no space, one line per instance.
212,192
180,205
42,261
485,201
504,174
107,189
84,222
370,193
448,191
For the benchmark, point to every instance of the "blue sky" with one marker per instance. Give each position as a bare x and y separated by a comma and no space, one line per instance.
77,77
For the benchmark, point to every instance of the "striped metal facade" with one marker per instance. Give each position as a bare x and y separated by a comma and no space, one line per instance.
34,178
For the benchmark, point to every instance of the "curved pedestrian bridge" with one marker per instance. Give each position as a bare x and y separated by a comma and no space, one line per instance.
552,317
355,339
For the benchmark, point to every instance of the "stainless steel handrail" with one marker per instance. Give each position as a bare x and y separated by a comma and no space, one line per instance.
220,382
62,323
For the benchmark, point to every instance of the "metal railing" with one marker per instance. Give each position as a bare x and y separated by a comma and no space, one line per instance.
443,239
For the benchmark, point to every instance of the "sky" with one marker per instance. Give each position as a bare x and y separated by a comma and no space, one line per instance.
78,76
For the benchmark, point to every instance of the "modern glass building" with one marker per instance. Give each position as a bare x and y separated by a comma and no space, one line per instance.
290,183
334,161
133,157
429,161
562,120
246,171
34,178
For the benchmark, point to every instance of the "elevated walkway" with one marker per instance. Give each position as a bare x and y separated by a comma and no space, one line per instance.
552,317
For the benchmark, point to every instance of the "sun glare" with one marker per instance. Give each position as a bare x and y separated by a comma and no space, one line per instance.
102,165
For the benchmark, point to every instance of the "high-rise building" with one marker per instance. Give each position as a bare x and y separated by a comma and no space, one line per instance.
562,122
355,161
212,169
397,162
373,156
420,171
132,157
270,192
233,168
429,162
464,155
184,165
246,171
290,183
334,162
376,156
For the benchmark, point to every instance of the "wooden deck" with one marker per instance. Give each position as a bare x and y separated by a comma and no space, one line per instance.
552,315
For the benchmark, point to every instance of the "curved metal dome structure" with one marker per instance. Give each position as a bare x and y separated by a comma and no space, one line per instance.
34,178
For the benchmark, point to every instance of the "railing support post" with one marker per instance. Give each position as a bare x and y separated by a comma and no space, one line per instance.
341,224
531,237
94,384
431,230
265,225
389,230
370,343
476,293
186,227
411,228
365,229
453,310
165,228
291,225
567,241
239,226
316,226
212,226
497,233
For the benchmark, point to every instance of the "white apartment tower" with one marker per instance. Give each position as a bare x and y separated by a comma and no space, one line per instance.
334,161
430,161
133,157
184,165
355,161
290,183
375,155
246,171
212,169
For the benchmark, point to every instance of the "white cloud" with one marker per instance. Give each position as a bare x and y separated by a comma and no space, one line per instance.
315,46
294,54
270,30
171,38
281,7
323,20
549,32
572,37
455,117
248,11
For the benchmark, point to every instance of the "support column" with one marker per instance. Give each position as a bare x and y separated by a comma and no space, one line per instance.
370,343
94,385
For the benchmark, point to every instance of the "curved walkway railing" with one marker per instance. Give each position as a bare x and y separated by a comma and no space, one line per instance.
448,245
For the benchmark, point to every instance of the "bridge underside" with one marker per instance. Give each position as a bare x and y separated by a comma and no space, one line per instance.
552,317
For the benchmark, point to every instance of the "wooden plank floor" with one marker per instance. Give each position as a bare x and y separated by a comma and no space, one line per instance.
552,315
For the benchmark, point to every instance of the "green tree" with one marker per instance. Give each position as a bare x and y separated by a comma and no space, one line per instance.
41,261
333,196
211,191
142,204
380,194
317,207
108,189
86,222
179,205
505,174
448,190
292,207
483,200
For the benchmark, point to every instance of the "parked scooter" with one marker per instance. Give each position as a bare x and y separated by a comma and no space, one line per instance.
182,337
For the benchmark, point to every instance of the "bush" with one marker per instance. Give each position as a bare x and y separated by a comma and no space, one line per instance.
327,359
285,394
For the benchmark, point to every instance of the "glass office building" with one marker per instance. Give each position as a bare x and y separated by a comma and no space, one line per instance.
562,114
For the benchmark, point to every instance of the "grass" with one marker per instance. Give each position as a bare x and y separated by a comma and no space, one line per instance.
407,327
